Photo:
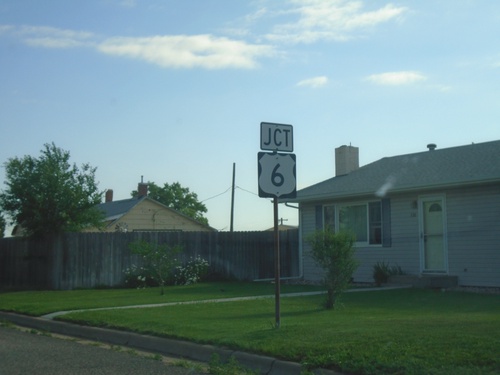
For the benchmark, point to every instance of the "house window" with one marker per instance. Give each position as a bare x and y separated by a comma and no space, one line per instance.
329,217
354,219
364,220
375,223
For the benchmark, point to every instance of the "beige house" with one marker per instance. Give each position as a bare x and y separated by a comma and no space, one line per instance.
144,214
283,227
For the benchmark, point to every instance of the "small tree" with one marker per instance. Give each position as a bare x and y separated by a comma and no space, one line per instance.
159,260
334,252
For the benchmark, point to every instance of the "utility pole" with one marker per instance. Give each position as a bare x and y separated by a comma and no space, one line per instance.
232,198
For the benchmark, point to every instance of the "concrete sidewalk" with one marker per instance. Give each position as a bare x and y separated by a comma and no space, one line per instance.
170,347
219,300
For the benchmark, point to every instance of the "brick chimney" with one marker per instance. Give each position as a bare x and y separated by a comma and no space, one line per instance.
346,160
109,195
142,190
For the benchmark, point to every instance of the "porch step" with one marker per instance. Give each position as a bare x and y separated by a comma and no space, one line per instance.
425,281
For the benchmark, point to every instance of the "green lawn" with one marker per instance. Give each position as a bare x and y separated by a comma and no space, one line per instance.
38,303
406,331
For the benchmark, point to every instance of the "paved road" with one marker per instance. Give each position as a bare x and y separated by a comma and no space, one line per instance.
27,353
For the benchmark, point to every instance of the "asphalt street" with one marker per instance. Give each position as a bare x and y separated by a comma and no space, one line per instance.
22,352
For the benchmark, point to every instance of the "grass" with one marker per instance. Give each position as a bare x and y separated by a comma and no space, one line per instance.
393,332
37,303
384,332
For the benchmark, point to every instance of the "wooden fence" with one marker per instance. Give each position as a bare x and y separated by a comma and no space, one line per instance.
89,260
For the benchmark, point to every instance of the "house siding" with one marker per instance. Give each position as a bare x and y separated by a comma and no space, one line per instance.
148,215
311,271
404,250
473,229
151,216
474,235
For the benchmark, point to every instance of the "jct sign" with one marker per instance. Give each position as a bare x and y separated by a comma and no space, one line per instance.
276,137
277,175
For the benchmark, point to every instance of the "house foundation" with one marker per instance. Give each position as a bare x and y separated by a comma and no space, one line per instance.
425,281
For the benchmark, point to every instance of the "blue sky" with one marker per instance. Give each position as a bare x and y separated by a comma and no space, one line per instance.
175,91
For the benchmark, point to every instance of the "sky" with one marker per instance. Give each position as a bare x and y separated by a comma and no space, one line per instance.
175,90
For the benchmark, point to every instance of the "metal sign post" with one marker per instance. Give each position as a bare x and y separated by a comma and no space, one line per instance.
277,268
277,178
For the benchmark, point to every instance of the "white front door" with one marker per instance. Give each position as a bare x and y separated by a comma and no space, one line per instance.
433,241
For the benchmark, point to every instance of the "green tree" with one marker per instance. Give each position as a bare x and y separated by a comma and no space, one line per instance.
179,198
159,260
3,224
334,252
48,195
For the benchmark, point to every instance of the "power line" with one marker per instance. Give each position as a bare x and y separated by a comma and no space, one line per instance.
227,190
251,192
245,190
215,196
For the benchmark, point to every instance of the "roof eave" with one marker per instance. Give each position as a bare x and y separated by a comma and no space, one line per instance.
114,217
367,194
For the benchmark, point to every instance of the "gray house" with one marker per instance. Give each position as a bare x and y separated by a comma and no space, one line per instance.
432,213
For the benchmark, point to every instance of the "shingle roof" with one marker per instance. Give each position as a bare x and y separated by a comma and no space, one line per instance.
463,165
114,210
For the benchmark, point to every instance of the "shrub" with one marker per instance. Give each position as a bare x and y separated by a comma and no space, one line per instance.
382,271
159,260
334,252
138,277
192,272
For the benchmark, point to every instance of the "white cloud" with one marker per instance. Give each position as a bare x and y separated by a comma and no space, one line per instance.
496,62
48,42
182,51
127,3
376,17
314,82
5,28
396,78
441,88
50,37
168,51
315,20
330,20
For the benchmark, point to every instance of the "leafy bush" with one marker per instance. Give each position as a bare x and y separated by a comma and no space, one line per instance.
334,252
162,268
192,272
138,277
159,260
382,271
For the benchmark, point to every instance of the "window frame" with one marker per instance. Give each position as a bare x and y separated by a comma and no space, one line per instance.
371,225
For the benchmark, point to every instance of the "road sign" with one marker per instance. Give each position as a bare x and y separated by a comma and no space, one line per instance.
276,137
277,175
277,179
